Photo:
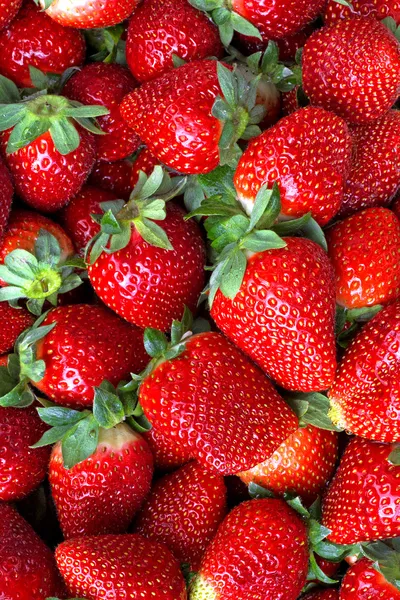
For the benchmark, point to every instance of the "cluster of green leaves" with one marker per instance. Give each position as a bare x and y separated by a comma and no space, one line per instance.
107,44
267,65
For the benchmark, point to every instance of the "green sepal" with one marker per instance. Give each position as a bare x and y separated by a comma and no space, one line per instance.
9,93
385,556
316,573
394,456
312,409
107,44
349,322
257,491
226,20
344,3
391,24
80,442
271,70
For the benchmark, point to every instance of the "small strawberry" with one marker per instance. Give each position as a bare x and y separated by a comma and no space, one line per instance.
167,456
106,85
363,581
183,511
14,321
27,567
308,154
121,566
260,551
8,10
365,252
88,14
328,594
102,493
6,195
153,265
159,30
34,40
379,9
22,468
334,78
365,396
362,502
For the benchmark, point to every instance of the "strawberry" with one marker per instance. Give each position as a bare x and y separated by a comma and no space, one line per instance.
302,465
144,161
159,30
121,566
6,195
22,468
365,394
191,399
379,9
34,40
185,122
288,46
159,253
88,13
308,154
167,456
102,493
328,594
334,78
183,511
363,581
396,206
14,321
260,551
27,567
375,173
365,252
106,85
8,10
114,177
362,502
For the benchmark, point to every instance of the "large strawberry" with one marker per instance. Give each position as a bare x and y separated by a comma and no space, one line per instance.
192,117
365,252
260,551
334,78
156,263
183,511
88,14
308,154
106,84
379,9
362,502
102,493
34,40
122,566
375,172
8,10
13,322
365,396
158,30
6,195
27,567
364,581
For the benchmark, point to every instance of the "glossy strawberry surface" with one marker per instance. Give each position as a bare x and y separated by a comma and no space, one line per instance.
167,455
86,14
8,10
379,9
6,195
13,322
363,582
283,315
212,400
362,502
112,176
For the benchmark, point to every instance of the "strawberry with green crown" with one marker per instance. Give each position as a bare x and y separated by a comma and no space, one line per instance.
366,579
88,14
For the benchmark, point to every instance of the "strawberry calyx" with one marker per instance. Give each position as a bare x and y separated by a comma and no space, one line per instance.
385,556
394,456
147,203
39,276
107,43
391,24
312,409
40,113
349,322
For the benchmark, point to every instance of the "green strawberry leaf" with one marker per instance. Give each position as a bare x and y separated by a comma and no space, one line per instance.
394,456
60,415
257,491
80,442
312,409
155,342
108,409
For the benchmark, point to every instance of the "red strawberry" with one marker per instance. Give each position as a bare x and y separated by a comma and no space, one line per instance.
362,502
288,46
302,465
260,551
27,567
144,161
365,396
183,511
192,401
283,315
379,9
167,456
375,172
102,493
21,468
121,566
363,582
8,10
308,154
106,85
6,195
365,252
160,29
114,177
328,594
88,14
396,206
14,321
334,78
34,40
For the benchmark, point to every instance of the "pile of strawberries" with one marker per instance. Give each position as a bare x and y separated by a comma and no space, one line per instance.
199,300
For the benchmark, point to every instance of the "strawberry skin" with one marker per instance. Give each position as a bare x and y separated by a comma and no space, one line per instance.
150,286
27,567
45,179
334,78
160,29
366,391
33,39
329,594
379,9
88,344
260,551
362,502
375,172
302,465
365,252
144,161
88,14
106,85
308,154
167,455
283,315
120,567
172,115
8,10
6,195
112,176
192,400
363,582
102,493
14,321
22,468
183,511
